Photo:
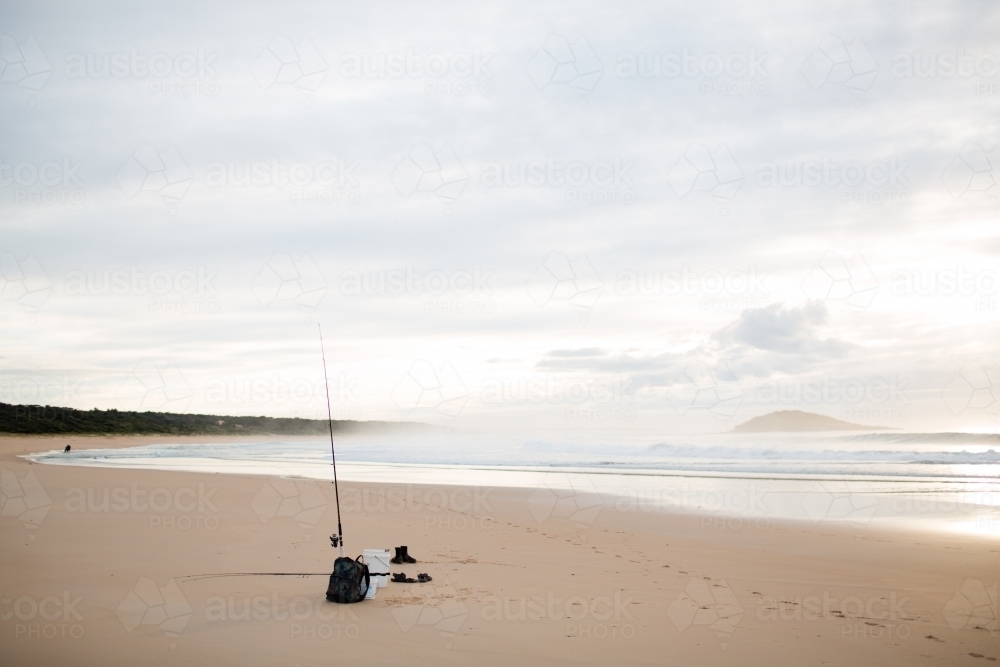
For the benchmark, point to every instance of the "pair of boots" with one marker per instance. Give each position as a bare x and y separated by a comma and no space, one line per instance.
402,557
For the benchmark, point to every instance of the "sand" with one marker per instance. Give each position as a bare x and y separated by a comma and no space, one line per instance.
520,577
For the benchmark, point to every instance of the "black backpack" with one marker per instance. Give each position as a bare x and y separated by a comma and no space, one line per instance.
349,582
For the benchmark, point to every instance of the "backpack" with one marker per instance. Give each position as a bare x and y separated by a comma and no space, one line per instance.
349,582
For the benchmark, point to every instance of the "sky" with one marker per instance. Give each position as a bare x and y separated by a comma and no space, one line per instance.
610,218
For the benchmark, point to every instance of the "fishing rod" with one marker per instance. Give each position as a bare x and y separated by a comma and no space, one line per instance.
338,539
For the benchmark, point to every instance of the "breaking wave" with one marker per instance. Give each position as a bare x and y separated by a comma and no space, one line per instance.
927,455
927,438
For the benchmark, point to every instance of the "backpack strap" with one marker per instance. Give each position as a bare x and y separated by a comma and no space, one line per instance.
368,578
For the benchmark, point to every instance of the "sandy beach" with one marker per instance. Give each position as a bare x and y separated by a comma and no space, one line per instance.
114,572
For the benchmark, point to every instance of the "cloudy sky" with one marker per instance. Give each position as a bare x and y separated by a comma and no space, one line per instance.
615,217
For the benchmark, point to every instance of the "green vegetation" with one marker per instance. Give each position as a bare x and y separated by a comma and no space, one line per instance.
41,420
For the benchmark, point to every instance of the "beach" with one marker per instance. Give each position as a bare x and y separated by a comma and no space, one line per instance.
123,565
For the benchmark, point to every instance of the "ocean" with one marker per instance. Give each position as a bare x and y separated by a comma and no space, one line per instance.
940,481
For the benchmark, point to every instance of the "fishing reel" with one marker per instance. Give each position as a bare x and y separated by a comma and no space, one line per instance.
335,540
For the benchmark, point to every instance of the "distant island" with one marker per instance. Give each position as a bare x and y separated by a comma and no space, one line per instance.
49,420
796,420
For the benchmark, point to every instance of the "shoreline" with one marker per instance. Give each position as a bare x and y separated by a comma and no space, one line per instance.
136,441
945,504
530,575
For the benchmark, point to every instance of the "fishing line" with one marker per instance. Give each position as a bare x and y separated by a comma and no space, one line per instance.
196,577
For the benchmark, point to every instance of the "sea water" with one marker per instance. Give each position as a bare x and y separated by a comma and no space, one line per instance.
948,481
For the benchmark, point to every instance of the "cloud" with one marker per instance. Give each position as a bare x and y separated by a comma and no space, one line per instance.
715,375
783,330
766,338
551,254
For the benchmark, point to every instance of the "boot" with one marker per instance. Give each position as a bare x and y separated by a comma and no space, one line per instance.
398,558
407,558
